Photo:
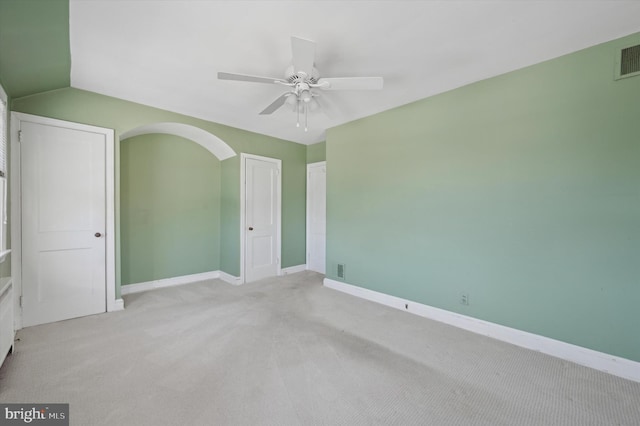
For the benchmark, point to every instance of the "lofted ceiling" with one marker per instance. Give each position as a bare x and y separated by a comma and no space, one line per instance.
34,46
167,53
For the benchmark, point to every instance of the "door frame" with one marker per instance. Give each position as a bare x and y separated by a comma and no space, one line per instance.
243,225
311,166
111,302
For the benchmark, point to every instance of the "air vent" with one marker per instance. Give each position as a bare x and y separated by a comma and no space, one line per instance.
340,270
628,63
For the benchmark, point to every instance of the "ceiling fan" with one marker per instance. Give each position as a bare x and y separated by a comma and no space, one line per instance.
303,79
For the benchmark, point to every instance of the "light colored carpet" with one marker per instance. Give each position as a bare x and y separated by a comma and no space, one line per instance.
288,351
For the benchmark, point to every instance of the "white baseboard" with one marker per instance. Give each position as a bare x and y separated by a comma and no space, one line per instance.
611,364
293,269
115,305
168,282
228,278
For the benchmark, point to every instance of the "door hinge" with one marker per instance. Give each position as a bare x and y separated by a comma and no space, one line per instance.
20,301
19,135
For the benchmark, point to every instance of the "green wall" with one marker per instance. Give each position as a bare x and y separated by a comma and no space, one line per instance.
34,54
316,152
522,191
91,108
34,46
169,208
293,156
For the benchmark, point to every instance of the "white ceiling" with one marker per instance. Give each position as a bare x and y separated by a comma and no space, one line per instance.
167,53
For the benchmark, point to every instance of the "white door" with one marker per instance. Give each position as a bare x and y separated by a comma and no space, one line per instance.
262,217
63,222
316,216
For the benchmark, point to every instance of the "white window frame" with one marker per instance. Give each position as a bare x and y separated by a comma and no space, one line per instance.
4,138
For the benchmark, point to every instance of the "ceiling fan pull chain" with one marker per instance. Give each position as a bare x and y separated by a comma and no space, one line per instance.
298,113
306,111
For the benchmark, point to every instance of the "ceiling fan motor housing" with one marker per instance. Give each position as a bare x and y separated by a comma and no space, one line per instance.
293,76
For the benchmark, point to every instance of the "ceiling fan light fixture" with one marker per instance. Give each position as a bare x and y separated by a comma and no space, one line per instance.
292,99
305,96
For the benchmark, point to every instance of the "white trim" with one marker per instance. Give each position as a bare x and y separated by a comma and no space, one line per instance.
111,303
310,166
4,186
231,279
7,328
169,282
207,140
243,195
611,364
110,226
117,305
242,214
293,269
16,220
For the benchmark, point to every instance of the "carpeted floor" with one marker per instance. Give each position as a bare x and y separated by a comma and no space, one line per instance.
287,351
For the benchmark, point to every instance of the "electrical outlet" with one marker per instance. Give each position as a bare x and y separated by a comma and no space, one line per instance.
464,299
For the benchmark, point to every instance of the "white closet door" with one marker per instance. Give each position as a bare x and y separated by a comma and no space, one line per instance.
63,222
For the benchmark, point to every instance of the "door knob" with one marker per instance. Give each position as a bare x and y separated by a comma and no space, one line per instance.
251,228
97,235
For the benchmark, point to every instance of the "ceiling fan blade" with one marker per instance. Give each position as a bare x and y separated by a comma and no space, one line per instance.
351,83
275,104
251,78
303,55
